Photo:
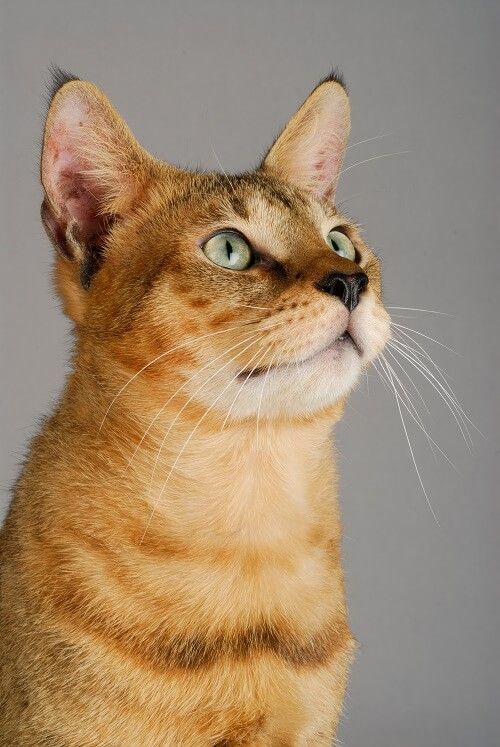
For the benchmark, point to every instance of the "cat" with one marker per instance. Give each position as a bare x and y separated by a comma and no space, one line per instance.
171,561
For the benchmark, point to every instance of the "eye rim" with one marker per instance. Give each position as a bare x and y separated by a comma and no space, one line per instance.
253,254
356,257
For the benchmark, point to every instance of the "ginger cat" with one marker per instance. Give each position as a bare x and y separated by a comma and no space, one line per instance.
171,562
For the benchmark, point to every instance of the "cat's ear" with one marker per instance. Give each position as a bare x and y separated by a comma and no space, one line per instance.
92,169
310,150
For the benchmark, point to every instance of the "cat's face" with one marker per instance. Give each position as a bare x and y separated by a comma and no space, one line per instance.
249,295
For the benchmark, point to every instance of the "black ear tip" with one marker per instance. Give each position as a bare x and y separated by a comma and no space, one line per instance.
335,76
57,78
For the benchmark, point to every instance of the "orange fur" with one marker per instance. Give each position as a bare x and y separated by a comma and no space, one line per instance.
171,569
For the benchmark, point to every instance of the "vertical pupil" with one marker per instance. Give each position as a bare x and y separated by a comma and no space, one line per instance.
229,249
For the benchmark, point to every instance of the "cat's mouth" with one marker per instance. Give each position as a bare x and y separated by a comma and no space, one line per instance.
343,340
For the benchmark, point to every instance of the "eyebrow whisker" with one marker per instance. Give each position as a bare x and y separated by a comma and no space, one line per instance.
368,140
374,158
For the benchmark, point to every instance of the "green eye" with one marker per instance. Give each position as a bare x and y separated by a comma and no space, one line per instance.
228,249
341,245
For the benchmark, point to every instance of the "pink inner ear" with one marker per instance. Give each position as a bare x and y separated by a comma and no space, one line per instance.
63,171
79,203
328,163
327,167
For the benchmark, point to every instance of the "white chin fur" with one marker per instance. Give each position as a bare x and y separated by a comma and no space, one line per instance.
303,388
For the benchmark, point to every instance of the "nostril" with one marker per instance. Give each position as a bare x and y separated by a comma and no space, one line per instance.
364,281
335,284
340,288
361,280
345,287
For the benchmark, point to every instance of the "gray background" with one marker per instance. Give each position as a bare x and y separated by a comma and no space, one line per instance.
192,78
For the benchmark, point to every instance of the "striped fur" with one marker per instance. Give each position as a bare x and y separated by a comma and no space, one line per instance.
171,563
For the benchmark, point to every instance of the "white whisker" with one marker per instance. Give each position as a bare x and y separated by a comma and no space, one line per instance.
158,358
418,421
184,384
415,354
222,168
401,338
348,199
443,392
373,158
254,339
417,390
403,316
412,308
186,442
404,392
391,381
250,372
445,377
427,337
249,306
266,375
407,401
368,140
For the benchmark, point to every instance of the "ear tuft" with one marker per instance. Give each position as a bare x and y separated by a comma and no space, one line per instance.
335,76
58,78
310,150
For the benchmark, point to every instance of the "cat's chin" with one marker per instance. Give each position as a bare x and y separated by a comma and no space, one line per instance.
299,388
335,348
309,386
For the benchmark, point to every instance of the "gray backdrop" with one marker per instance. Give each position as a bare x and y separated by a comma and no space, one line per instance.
194,78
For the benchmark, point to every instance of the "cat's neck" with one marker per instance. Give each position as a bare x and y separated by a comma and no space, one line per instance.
251,485
261,476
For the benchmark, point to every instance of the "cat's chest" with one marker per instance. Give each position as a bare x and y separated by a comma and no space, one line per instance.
250,546
242,533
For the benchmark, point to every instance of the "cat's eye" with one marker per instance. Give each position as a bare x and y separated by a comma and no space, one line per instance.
228,249
341,245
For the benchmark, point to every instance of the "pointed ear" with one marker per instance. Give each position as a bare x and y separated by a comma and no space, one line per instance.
310,150
93,171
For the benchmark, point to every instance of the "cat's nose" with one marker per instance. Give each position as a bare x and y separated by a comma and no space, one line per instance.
346,287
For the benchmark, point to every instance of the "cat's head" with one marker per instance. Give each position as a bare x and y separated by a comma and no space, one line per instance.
246,294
